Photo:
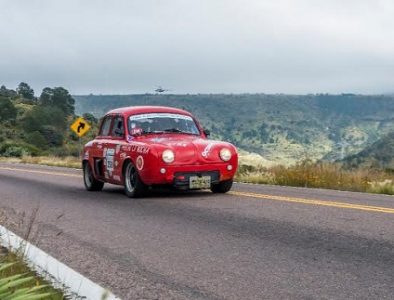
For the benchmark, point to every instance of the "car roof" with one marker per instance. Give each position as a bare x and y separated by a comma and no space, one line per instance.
133,110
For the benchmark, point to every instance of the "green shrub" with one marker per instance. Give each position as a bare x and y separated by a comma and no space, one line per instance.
37,139
14,151
66,150
245,169
18,150
7,109
59,151
52,135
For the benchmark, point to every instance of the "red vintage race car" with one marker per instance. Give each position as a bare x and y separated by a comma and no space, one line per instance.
146,146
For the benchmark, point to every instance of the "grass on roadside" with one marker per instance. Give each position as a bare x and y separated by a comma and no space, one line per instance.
320,175
18,282
54,161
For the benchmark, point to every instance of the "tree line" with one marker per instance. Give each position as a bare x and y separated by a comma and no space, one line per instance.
35,124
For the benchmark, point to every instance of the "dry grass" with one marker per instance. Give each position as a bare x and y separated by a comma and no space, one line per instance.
68,161
382,187
55,161
320,175
10,159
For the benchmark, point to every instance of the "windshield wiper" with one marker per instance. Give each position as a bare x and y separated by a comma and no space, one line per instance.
152,132
176,130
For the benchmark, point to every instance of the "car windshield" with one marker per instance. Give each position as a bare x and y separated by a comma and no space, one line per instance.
152,123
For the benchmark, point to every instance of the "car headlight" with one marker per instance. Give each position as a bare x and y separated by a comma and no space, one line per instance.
168,156
225,154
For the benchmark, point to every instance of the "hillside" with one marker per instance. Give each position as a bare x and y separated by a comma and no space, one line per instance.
378,155
31,125
281,128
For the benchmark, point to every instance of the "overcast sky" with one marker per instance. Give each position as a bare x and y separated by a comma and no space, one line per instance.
199,46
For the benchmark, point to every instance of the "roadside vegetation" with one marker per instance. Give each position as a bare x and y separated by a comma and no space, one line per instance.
18,282
39,126
53,161
321,175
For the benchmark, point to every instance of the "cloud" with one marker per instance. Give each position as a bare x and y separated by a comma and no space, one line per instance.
297,46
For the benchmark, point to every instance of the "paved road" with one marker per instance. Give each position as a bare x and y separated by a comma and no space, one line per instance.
260,242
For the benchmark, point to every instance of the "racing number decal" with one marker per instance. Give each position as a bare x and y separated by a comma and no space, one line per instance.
109,160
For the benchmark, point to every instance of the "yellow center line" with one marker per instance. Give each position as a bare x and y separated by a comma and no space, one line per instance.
316,202
40,172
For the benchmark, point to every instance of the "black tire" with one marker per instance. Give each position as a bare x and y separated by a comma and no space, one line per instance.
133,186
222,187
91,183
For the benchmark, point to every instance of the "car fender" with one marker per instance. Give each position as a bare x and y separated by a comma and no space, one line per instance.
149,162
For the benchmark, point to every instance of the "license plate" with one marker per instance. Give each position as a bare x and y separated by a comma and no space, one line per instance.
203,182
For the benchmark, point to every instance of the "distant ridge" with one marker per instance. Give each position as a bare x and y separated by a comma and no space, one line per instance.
378,155
281,128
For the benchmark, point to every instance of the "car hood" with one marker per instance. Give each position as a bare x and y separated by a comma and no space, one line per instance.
190,149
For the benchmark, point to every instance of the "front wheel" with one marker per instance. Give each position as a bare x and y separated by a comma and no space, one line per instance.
222,187
133,185
91,184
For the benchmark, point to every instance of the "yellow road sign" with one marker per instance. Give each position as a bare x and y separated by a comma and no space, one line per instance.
80,126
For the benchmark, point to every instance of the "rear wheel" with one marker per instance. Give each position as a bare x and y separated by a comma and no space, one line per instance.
91,184
133,185
222,187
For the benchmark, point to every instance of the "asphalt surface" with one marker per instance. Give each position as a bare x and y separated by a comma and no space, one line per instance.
260,242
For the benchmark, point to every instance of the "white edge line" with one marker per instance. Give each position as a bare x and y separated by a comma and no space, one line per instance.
43,263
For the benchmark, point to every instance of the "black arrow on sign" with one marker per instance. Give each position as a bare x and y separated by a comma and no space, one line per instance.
80,126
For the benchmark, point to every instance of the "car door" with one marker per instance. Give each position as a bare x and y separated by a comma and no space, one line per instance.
100,147
113,159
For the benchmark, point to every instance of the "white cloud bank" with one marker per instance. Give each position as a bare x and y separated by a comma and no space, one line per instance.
281,46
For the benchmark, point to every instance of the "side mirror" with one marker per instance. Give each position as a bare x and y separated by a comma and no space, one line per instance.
207,132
